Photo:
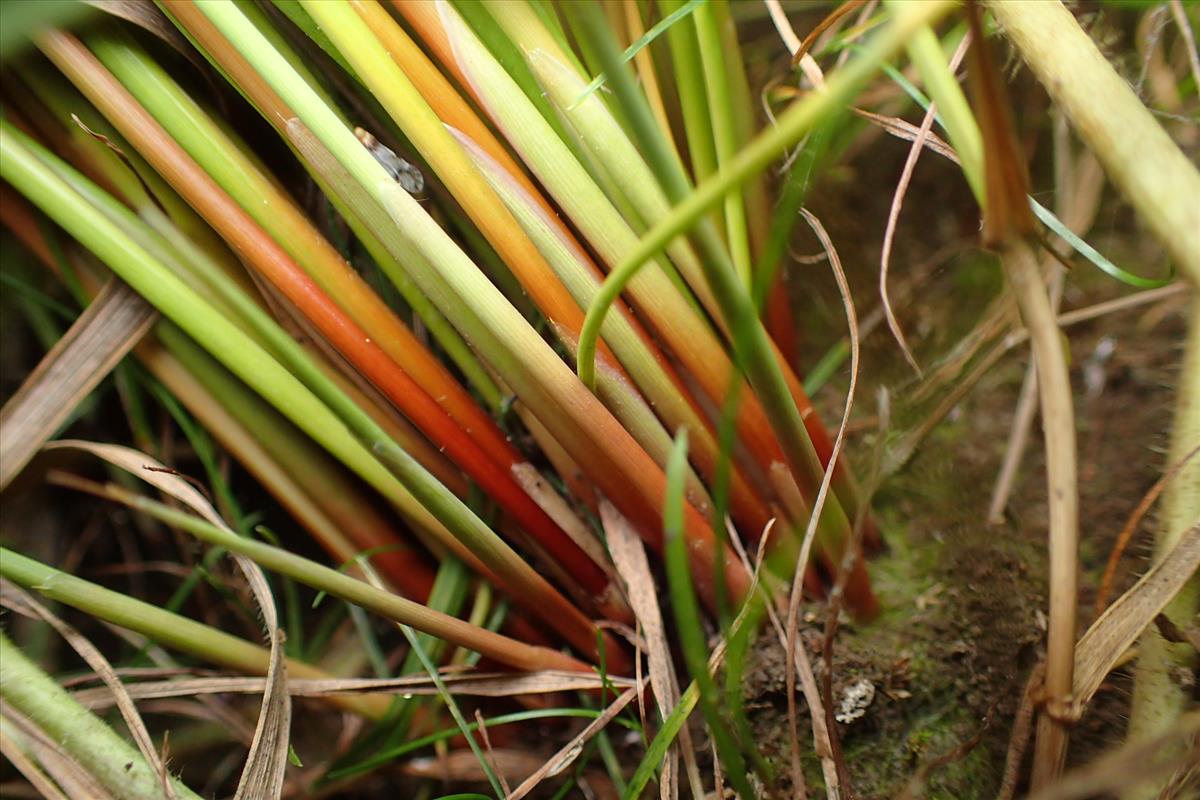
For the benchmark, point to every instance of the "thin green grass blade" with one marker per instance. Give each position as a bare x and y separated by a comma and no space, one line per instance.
690,627
643,41
432,671
955,118
656,753
388,756
1093,255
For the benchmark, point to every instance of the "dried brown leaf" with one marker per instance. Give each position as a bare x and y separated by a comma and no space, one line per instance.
494,684
263,774
1119,626
567,755
74,780
17,599
629,555
108,329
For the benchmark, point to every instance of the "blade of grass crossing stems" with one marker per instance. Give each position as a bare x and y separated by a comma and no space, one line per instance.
691,627
259,370
751,341
386,604
644,40
417,642
447,596
790,127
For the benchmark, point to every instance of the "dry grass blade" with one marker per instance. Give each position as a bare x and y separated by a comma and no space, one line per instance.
108,329
567,755
489,752
885,257
905,130
1129,765
1077,202
827,744
74,780
1119,626
267,760
824,25
482,685
990,333
12,750
629,556
1131,524
16,599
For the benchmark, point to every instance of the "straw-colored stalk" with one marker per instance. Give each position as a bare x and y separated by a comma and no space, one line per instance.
1163,185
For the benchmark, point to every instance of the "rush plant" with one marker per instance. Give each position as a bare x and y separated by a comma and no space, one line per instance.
493,300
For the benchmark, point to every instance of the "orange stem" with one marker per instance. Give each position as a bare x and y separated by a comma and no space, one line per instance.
269,259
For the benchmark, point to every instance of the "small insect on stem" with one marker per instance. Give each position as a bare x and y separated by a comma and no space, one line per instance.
404,173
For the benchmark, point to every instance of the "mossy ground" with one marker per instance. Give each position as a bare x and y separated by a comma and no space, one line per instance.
962,628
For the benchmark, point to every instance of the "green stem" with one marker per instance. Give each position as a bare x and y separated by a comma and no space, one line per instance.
693,100
163,627
716,83
112,761
691,628
507,651
1158,697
